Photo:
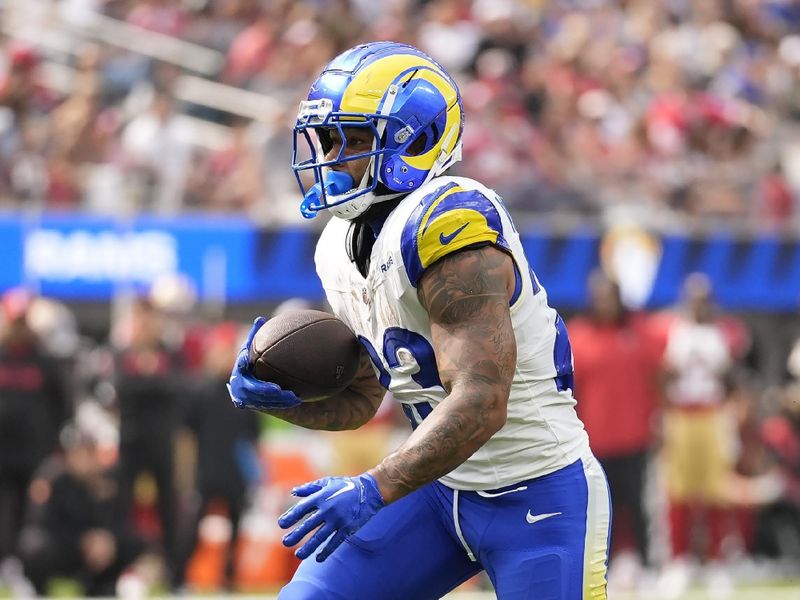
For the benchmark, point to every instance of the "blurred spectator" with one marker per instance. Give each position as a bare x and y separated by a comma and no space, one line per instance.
775,198
217,24
34,403
156,153
57,328
185,328
699,436
778,530
250,50
161,16
679,108
23,168
777,533
21,86
228,467
230,179
617,380
150,392
449,34
73,526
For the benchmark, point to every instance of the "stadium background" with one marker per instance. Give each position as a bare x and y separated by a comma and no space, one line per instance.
145,149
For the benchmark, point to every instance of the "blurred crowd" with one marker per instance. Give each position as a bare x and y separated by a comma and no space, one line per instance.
124,466
676,111
97,482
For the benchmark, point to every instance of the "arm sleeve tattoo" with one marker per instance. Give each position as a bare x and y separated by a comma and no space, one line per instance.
349,410
467,297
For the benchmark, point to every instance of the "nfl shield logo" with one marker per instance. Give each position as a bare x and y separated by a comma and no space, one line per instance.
364,295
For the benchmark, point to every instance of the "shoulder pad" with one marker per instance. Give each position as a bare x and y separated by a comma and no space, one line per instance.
446,220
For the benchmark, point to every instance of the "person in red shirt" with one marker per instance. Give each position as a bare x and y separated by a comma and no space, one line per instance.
617,373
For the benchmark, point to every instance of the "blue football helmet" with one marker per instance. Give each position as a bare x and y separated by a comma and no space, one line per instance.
399,94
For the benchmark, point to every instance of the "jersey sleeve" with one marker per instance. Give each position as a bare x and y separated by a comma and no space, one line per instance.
447,220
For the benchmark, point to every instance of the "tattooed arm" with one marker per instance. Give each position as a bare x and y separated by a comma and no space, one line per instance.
466,295
348,410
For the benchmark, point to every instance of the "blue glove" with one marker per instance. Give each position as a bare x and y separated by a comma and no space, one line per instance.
339,506
248,392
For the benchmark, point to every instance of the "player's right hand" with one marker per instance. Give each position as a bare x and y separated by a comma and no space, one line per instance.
336,507
249,392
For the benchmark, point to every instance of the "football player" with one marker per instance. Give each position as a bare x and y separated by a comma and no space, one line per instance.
429,272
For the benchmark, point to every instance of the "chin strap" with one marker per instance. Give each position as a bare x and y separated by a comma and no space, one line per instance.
444,161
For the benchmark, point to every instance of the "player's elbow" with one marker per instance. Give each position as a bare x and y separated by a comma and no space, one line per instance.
482,406
496,412
364,404
358,421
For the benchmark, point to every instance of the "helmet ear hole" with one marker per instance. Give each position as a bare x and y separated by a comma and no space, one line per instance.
424,142
418,146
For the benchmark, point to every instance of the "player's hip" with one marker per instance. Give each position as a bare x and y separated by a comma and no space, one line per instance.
570,492
565,515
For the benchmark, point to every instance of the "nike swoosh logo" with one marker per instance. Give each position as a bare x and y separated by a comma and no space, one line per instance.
348,486
536,518
446,239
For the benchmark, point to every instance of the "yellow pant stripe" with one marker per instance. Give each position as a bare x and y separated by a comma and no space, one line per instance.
598,522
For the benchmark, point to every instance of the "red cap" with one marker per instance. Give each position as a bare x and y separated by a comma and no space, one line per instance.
22,56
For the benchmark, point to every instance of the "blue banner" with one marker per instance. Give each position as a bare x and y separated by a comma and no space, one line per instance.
84,258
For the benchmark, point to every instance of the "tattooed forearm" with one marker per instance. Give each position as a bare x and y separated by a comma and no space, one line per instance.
467,297
349,410
449,436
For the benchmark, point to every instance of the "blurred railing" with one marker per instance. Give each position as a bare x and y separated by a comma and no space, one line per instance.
49,29
54,35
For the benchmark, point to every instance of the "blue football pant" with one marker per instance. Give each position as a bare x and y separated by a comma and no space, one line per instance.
542,539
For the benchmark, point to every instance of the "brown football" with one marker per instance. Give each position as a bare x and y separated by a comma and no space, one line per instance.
310,352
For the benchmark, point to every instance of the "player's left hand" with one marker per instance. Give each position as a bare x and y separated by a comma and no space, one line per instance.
247,391
339,506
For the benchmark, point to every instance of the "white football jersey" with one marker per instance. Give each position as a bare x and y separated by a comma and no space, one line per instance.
542,433
700,355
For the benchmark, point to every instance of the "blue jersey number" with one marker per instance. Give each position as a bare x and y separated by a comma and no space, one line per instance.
409,353
562,356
